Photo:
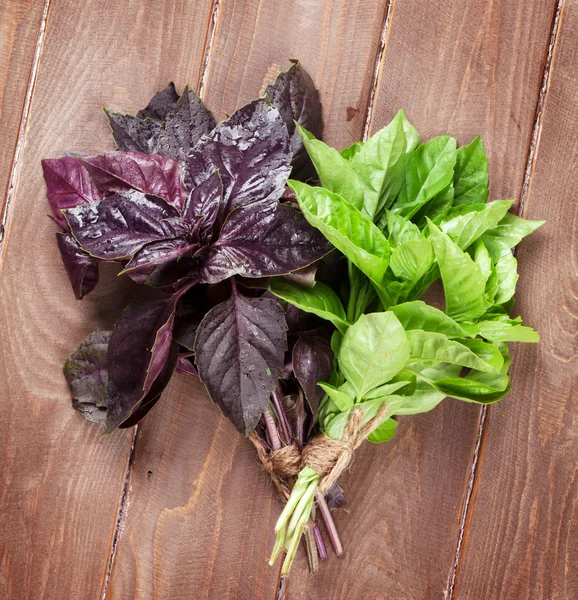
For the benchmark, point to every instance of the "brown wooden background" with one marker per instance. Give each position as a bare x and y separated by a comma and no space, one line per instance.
464,504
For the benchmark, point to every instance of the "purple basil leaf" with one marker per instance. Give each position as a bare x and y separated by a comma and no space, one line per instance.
138,350
157,253
251,152
296,415
68,184
147,173
336,499
160,105
239,352
81,268
186,367
119,225
86,371
173,273
154,394
132,134
312,362
202,206
189,120
304,276
295,96
259,242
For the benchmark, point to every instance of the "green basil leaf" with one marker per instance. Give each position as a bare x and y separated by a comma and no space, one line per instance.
350,151
401,230
374,349
437,207
466,229
471,174
430,346
478,387
384,432
379,163
508,233
506,270
334,171
425,396
500,331
489,353
427,171
319,300
386,390
345,227
419,315
464,283
411,260
482,258
343,400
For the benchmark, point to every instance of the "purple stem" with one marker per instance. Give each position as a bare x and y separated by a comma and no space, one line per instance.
329,523
272,430
321,550
282,418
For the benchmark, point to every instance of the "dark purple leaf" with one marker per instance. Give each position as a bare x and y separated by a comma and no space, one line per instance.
132,134
147,173
186,367
239,352
119,225
295,412
68,184
251,152
161,104
335,498
189,120
138,350
81,268
259,242
312,362
174,273
86,371
295,96
304,276
154,394
202,206
157,253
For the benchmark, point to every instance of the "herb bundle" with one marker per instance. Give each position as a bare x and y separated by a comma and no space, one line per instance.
296,302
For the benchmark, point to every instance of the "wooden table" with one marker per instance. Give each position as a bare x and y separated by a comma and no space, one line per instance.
466,504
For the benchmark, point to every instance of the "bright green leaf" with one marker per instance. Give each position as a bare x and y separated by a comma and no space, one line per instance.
471,174
374,349
464,283
345,227
319,300
419,315
507,273
500,331
384,432
427,171
411,260
334,171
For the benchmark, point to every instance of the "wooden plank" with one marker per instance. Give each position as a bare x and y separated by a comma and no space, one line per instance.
60,483
464,68
203,520
19,25
522,541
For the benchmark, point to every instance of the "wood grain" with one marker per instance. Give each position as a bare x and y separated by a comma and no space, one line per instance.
522,541
19,25
202,523
439,63
469,68
60,483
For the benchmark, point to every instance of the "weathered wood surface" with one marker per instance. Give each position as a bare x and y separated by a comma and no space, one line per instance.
60,482
204,519
199,515
20,23
522,541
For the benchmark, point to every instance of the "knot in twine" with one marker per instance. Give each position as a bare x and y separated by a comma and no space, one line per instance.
326,456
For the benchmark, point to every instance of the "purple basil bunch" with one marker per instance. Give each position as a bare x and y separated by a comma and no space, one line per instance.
196,212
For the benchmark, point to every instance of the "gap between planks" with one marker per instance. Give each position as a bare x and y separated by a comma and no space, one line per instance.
484,418
124,503
377,73
15,169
